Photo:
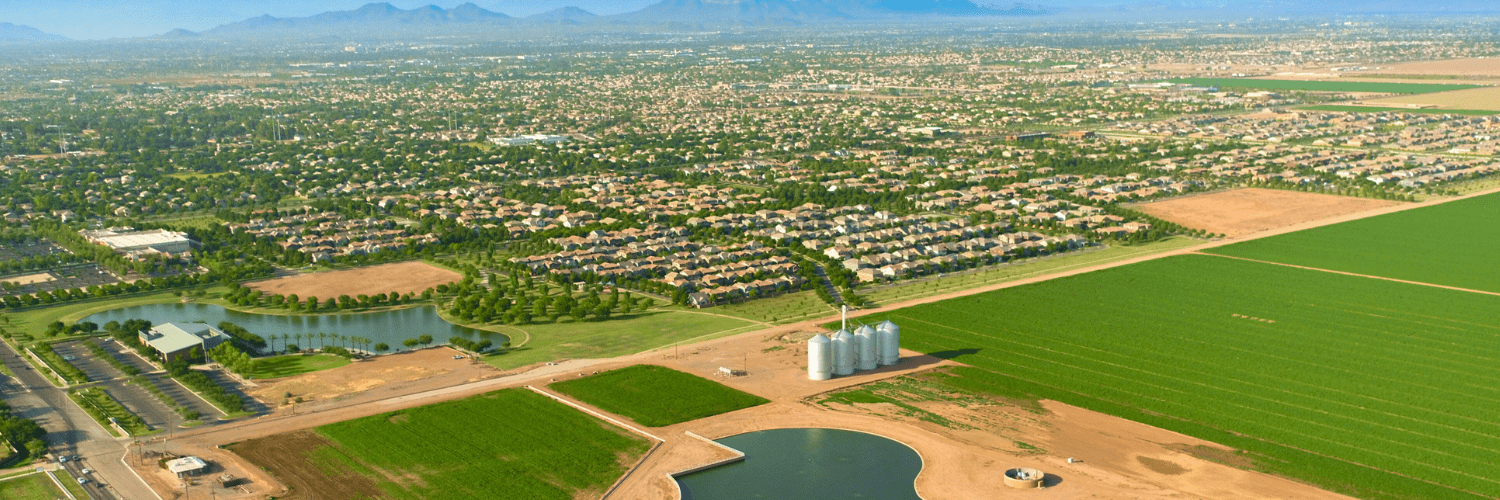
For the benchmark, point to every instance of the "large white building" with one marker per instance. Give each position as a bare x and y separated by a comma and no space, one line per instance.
139,243
174,340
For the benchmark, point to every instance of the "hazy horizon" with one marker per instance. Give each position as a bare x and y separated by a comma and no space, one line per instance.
97,19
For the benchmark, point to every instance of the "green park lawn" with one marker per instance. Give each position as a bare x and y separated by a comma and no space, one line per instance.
294,364
32,487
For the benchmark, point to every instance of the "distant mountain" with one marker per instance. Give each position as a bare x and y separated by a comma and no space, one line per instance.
762,12
566,15
19,33
179,33
384,18
372,17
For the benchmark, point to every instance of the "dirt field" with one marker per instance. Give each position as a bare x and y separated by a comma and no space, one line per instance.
287,453
1465,67
31,279
401,277
1486,98
432,367
1245,211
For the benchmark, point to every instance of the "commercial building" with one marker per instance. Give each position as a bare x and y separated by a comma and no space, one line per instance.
140,243
174,341
187,466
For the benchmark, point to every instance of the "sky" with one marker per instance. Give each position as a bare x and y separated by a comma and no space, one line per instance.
101,19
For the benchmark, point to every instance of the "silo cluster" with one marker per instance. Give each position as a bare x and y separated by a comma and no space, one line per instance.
842,353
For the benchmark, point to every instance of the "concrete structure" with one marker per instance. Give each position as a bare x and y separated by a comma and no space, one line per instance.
140,243
843,353
819,358
174,341
867,355
187,466
888,342
1024,478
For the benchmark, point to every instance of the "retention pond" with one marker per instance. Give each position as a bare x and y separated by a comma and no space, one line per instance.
390,327
809,464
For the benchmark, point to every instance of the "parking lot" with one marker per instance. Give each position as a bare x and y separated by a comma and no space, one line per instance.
67,277
235,387
131,393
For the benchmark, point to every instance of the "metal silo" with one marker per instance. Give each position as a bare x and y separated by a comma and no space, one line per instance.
843,353
819,358
890,342
866,359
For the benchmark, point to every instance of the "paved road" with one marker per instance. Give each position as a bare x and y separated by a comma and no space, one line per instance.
70,431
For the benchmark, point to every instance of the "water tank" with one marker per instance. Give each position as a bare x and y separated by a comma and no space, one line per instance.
843,353
866,359
819,358
890,342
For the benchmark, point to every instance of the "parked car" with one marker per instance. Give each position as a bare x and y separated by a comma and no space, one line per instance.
83,480
69,358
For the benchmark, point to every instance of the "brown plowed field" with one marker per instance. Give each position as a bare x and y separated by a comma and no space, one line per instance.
1252,210
401,277
286,456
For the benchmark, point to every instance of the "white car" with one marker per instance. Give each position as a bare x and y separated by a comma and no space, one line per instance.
83,480
69,358
86,472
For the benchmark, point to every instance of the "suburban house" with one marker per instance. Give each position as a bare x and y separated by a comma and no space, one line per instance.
174,341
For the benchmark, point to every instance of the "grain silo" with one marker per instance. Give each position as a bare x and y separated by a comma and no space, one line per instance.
819,358
866,358
843,353
890,342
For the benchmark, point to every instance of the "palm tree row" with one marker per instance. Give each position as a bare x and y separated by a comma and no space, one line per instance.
344,341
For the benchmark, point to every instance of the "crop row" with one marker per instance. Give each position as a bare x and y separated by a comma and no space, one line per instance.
1342,381
512,441
654,396
1434,244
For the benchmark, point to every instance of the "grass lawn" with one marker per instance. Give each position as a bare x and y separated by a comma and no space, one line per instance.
659,327
295,364
1445,244
1366,387
33,487
512,443
1021,270
654,396
788,308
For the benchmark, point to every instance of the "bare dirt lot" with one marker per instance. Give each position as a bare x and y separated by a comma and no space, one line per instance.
1485,98
34,278
1245,211
401,277
431,368
1466,67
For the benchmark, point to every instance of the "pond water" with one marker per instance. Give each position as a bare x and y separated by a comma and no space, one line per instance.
391,327
809,464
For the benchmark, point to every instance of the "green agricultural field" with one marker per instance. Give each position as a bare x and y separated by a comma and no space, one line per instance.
1367,387
787,308
512,443
618,336
1378,109
1325,86
654,396
295,364
1444,244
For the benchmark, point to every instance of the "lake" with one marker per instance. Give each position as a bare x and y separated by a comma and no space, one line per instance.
391,327
809,464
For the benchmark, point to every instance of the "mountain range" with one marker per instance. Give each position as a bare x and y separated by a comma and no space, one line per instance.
19,33
384,17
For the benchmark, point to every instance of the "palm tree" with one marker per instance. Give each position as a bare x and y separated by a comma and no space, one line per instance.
284,338
299,339
322,339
